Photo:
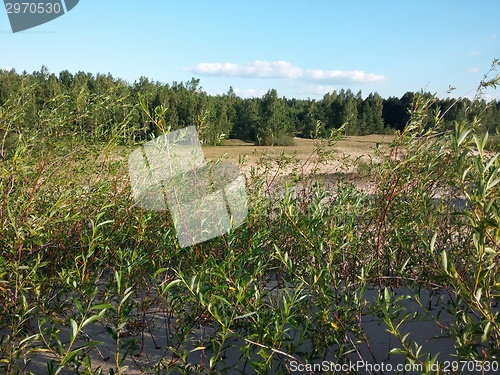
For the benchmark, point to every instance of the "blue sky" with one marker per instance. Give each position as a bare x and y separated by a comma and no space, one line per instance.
302,48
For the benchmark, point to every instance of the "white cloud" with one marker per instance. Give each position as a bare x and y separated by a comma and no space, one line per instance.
490,97
474,53
317,89
342,75
282,69
249,93
255,69
473,69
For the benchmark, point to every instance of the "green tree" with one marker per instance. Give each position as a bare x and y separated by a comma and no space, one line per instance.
274,128
332,107
247,120
349,113
312,123
370,118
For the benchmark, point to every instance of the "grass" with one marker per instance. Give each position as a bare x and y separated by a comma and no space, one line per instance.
354,146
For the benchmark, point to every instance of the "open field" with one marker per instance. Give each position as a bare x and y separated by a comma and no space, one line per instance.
352,146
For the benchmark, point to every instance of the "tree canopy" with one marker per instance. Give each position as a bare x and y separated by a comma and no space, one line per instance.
102,106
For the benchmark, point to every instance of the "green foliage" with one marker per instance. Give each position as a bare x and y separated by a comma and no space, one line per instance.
81,265
105,109
274,128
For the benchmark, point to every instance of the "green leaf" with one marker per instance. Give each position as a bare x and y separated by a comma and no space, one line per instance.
78,306
491,161
444,260
118,279
462,136
158,271
166,288
93,318
128,293
126,310
102,306
246,315
112,333
73,329
223,300
198,348
104,223
69,357
486,332
490,251
403,339
51,369
433,242
397,351
387,295
478,294
490,184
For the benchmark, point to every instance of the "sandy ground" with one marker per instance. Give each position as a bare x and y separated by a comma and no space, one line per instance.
352,147
342,162
154,336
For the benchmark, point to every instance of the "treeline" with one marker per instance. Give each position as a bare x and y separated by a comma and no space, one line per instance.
104,107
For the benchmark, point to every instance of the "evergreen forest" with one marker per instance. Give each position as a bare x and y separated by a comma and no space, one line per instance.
104,107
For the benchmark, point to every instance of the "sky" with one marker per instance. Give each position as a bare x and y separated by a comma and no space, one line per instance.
301,48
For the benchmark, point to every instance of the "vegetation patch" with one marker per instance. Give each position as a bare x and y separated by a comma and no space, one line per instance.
88,281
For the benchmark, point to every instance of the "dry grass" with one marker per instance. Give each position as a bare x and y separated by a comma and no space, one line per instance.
353,146
344,164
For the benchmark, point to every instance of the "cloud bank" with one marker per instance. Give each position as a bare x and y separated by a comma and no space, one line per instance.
249,93
283,70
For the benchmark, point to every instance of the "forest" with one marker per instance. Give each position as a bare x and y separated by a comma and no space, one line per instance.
104,107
